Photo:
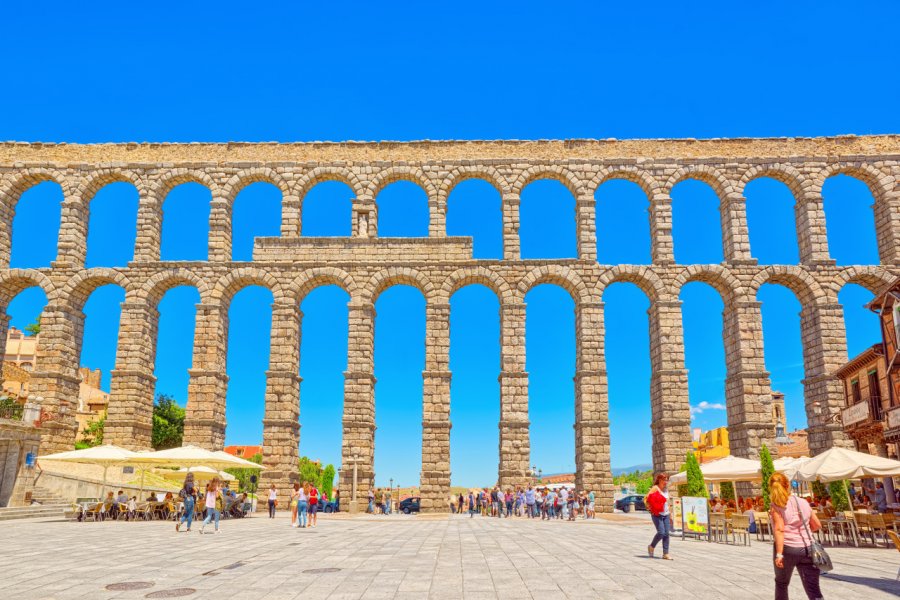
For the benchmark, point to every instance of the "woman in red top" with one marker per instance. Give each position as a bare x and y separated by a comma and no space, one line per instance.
657,502
313,505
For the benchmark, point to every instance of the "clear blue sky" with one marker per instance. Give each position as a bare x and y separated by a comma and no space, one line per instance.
523,70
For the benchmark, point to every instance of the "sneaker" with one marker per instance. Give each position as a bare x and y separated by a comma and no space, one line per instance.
667,557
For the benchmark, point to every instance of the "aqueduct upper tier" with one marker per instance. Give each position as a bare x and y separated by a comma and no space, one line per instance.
364,265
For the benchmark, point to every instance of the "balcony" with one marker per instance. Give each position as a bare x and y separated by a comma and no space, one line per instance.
867,411
11,411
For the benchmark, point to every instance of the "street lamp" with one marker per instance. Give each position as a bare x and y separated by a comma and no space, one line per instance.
780,438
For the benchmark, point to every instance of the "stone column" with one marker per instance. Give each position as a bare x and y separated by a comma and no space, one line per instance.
55,378
735,233
73,231
511,226
4,329
586,222
281,424
359,406
291,216
7,213
149,227
824,352
669,398
592,467
812,236
220,230
435,478
204,423
887,227
129,421
748,391
662,248
437,216
515,445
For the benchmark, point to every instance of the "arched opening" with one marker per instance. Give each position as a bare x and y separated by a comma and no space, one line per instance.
323,360
623,223
35,228
402,210
704,354
475,209
249,327
175,342
850,221
112,227
23,339
550,363
627,345
474,388
100,332
696,224
256,213
185,223
861,324
327,210
771,222
547,224
399,362
783,348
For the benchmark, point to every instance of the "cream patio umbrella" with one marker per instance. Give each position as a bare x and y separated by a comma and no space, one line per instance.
105,456
841,464
729,468
789,465
200,474
193,456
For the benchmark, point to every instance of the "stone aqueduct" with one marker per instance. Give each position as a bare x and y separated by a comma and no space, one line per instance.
364,265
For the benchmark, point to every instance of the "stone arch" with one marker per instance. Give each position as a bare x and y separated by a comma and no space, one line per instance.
13,281
168,180
242,179
79,287
872,278
705,173
564,277
880,184
786,174
717,276
96,180
397,276
14,186
480,276
233,282
156,287
464,173
800,282
411,174
555,173
641,178
641,276
318,277
322,174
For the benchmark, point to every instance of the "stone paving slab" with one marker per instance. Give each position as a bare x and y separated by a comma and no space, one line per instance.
400,557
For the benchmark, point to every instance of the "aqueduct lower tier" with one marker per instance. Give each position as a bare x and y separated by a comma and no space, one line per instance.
364,265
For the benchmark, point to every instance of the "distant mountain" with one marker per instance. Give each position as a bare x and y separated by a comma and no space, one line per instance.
623,470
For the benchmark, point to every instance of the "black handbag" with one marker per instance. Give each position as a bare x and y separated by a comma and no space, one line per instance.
817,553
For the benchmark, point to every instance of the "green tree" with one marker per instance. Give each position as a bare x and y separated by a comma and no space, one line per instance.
726,489
695,485
767,466
839,498
34,328
168,423
327,480
92,434
819,489
244,475
642,481
310,471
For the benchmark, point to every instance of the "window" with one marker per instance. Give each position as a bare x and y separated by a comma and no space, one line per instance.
875,395
854,391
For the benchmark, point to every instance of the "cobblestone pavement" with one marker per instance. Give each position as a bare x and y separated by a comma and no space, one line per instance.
403,557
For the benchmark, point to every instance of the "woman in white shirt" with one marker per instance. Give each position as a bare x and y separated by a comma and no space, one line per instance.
273,499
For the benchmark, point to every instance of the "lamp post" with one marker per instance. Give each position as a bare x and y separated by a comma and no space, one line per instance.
353,461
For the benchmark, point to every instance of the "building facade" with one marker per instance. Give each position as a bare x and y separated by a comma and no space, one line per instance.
365,265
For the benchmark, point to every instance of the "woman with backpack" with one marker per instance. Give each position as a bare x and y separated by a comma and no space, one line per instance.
657,502
188,495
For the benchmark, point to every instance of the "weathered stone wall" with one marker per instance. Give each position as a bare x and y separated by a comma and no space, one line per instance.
365,265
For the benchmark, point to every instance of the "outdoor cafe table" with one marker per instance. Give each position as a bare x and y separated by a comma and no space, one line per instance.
845,526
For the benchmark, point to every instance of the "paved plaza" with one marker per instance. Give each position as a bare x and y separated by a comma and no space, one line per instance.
402,557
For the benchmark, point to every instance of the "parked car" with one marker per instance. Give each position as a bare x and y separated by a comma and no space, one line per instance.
629,503
325,507
409,505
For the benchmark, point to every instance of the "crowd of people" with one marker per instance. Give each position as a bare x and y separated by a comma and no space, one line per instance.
531,502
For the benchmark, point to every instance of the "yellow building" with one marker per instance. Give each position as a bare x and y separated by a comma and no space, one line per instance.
712,445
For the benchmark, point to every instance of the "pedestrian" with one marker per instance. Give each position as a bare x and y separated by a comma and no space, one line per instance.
337,501
461,504
471,504
509,502
590,511
792,522
273,501
295,501
371,507
302,505
657,501
214,504
313,505
880,498
188,495
529,502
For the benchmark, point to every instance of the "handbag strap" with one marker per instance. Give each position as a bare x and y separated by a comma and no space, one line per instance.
803,519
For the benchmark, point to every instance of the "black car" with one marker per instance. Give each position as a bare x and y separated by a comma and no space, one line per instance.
629,503
409,505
